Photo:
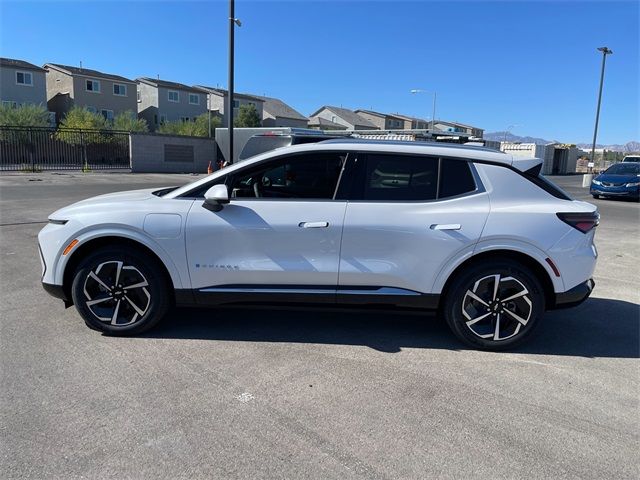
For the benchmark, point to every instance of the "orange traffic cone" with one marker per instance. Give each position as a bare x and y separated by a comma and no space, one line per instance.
209,169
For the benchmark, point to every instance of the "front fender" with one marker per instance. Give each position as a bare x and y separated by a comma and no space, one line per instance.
179,278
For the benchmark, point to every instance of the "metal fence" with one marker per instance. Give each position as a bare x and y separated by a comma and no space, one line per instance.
34,149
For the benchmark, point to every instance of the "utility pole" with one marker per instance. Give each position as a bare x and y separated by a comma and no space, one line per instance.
232,19
605,51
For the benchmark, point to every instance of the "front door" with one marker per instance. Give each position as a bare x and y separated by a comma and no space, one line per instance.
278,238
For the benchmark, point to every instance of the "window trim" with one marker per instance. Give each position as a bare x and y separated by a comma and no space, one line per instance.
362,155
120,85
197,95
24,72
93,82
230,177
169,92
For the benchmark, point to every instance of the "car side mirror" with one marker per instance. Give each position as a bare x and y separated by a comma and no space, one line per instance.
216,197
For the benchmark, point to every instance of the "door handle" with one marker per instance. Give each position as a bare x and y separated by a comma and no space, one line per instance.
446,226
313,224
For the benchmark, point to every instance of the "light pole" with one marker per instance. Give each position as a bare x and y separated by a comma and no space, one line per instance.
433,113
233,21
508,131
605,51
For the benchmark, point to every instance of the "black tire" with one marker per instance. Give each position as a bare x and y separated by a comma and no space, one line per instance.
479,280
138,309
595,196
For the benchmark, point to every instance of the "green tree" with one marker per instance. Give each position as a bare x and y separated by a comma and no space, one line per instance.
24,116
197,128
247,117
83,119
128,122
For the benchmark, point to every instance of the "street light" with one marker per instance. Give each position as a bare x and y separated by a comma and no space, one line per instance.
508,130
233,21
605,51
433,115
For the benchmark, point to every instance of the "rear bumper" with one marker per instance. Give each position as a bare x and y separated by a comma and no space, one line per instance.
575,296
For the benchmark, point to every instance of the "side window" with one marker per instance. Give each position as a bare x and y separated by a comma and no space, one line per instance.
308,176
455,178
399,177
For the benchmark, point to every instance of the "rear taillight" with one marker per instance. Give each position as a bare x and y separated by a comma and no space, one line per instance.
581,221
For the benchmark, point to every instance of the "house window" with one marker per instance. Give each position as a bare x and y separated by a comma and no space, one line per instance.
7,103
155,119
120,89
108,114
91,109
138,96
184,119
163,118
194,99
333,119
236,103
24,78
173,96
93,86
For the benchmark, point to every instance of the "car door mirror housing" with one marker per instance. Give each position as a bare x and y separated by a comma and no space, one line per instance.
216,196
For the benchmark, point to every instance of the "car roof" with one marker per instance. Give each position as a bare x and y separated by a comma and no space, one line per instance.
378,146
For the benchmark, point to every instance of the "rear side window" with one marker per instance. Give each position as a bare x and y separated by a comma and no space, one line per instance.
388,177
455,178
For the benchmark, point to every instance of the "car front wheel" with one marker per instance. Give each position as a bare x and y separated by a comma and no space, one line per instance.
494,305
120,292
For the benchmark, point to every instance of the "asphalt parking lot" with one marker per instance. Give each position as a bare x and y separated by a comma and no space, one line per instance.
254,393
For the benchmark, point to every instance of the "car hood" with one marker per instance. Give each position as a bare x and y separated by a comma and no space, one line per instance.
104,200
612,178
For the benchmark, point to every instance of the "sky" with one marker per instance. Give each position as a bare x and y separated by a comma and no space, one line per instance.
492,64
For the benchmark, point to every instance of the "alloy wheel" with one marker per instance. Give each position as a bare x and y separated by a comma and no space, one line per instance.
117,293
497,307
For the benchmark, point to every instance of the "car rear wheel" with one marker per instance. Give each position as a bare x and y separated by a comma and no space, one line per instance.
120,292
494,305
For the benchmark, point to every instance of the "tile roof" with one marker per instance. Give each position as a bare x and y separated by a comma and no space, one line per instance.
323,122
279,109
347,115
14,63
156,82
87,72
223,92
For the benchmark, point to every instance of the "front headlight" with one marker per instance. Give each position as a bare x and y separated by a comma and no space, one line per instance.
632,184
597,182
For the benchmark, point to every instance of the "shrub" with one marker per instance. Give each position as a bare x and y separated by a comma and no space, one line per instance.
128,122
247,117
24,116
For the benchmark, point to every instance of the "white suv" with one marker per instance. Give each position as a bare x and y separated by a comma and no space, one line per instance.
470,232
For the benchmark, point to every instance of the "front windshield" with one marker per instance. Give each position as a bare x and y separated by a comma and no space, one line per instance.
624,169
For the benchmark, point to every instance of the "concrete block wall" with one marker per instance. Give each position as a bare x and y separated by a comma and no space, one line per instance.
151,153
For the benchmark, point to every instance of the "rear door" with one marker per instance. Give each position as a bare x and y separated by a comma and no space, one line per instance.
407,216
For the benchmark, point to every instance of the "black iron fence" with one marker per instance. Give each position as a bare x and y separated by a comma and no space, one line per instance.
34,149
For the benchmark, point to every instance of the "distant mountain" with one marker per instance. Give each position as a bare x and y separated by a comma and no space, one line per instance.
629,147
510,137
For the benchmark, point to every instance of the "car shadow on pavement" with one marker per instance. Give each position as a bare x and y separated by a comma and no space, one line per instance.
597,328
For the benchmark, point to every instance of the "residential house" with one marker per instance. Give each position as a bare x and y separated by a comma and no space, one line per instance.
276,113
162,101
96,91
319,123
455,127
413,123
343,116
22,83
384,121
217,101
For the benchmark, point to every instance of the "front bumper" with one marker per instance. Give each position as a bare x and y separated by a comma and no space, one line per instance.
55,291
619,191
575,296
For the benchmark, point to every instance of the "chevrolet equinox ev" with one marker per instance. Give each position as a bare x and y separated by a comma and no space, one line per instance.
477,235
